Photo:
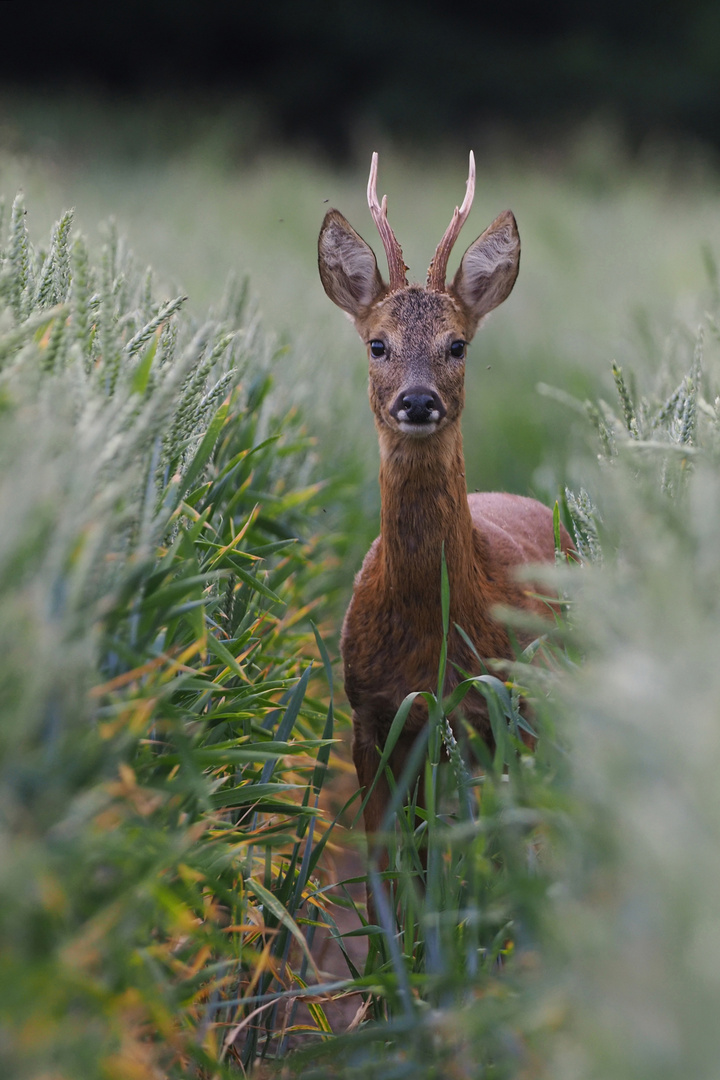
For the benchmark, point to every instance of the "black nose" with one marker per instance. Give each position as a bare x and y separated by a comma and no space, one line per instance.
418,405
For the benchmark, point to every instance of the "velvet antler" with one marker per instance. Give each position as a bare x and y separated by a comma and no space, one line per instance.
438,266
393,251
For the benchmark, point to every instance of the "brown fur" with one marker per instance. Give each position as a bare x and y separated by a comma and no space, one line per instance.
392,632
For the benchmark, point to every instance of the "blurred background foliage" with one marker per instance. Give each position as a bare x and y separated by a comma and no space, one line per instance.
612,254
134,943
219,139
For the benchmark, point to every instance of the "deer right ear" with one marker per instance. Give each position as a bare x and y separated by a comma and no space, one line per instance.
489,267
348,267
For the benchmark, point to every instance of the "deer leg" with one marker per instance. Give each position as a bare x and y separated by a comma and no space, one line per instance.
367,760
415,790
366,757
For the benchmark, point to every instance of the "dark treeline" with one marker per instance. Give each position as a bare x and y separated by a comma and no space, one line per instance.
317,70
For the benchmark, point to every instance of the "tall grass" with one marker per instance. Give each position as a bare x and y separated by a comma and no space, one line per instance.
160,758
638,966
453,964
164,749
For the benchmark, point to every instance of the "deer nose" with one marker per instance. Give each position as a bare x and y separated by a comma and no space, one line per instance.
418,405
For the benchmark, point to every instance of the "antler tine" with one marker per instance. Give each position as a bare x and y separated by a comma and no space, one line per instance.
393,251
438,266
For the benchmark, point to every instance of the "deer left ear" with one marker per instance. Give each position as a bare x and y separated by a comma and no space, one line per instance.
489,267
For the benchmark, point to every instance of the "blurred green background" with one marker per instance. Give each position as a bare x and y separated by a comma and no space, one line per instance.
219,139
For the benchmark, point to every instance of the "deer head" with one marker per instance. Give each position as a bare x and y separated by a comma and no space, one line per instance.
417,337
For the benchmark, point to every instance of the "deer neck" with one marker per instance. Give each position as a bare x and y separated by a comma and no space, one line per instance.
424,509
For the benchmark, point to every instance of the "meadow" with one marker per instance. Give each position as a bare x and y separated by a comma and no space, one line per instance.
173,736
612,255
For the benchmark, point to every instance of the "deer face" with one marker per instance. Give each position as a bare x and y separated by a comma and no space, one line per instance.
416,342
416,337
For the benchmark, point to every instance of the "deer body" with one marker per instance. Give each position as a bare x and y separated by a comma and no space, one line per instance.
416,340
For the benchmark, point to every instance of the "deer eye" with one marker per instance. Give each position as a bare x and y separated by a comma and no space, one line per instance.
457,349
377,348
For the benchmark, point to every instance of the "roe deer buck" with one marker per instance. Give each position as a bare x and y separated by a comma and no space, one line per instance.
416,340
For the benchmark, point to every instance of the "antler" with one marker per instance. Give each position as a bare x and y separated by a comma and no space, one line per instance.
438,266
393,251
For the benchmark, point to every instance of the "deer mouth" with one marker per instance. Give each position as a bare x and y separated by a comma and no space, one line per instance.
418,430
